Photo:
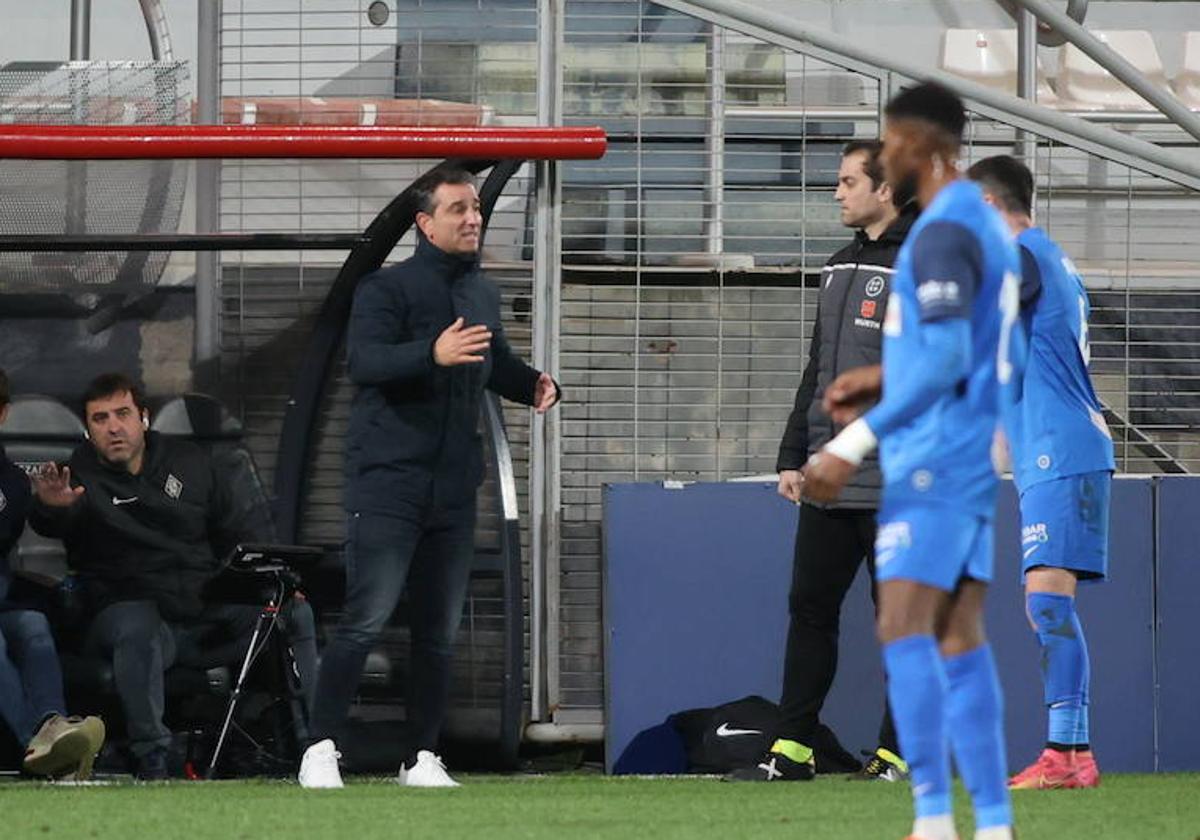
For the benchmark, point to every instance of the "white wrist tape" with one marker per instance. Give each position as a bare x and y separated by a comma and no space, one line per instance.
854,443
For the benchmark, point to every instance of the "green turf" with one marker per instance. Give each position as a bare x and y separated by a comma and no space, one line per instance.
563,807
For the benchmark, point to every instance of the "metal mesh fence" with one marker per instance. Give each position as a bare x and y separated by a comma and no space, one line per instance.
690,254
332,65
93,197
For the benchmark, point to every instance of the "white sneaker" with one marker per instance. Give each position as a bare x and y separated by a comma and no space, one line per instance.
428,771
319,767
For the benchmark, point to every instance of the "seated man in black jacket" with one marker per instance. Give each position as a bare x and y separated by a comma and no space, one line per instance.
145,518
31,688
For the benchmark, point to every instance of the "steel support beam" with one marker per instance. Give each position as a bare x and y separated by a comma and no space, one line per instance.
1047,37
786,32
81,30
1027,54
1111,60
156,28
207,336
545,468
714,201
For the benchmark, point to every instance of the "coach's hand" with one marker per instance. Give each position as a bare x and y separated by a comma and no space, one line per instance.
459,345
824,476
52,486
852,392
545,394
791,484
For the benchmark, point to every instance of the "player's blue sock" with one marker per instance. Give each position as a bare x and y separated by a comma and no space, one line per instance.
975,722
917,690
1065,666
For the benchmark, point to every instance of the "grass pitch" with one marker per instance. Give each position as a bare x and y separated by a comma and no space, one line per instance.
575,806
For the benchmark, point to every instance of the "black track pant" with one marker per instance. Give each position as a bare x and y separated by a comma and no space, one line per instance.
830,546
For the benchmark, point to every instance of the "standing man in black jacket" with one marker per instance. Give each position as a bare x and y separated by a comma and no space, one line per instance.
424,342
146,519
831,541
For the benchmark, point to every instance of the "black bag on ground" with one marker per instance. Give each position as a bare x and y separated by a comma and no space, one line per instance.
736,734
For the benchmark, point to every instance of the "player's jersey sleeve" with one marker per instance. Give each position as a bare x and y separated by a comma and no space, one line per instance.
1031,278
1031,289
947,269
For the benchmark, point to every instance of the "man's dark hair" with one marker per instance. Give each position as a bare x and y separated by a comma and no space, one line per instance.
109,384
424,187
932,103
1007,180
872,166
5,394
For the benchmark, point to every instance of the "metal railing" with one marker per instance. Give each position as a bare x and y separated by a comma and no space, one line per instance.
675,291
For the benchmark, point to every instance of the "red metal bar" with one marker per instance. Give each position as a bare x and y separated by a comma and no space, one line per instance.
137,142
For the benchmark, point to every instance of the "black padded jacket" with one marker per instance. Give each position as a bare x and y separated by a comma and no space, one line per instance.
847,333
414,425
157,535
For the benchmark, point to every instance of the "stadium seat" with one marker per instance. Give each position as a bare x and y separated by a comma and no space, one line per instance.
989,58
1086,86
1187,83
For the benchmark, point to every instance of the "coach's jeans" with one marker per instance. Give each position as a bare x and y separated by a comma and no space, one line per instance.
432,550
31,684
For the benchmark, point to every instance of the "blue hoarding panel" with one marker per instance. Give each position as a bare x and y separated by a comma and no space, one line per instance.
696,615
1178,638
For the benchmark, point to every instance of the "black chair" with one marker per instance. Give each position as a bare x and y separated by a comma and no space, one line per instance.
265,574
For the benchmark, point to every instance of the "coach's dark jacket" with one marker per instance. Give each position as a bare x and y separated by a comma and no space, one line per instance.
156,535
414,425
855,284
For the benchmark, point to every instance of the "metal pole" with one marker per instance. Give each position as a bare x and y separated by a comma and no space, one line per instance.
714,205
1076,10
785,31
81,30
208,181
545,467
156,27
1110,60
1027,47
77,171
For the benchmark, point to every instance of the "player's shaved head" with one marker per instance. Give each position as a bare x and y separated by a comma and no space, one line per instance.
1008,181
935,105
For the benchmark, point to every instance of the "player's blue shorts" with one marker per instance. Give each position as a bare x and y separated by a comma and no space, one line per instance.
1064,525
932,544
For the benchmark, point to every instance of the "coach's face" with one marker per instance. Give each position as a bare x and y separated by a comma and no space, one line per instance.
861,201
117,430
455,224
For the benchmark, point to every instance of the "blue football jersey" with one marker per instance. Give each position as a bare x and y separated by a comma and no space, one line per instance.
1059,429
959,262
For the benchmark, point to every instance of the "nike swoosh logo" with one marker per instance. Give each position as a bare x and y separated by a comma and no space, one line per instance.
724,731
1029,551
117,502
